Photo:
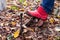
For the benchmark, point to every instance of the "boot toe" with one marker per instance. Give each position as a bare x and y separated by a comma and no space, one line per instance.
34,14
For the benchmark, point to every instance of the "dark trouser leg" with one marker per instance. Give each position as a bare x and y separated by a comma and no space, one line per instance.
47,5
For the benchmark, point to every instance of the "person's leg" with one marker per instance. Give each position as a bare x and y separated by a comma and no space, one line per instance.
43,10
48,5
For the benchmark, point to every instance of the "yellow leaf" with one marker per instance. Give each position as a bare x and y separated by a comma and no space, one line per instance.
13,23
21,1
25,3
51,20
16,34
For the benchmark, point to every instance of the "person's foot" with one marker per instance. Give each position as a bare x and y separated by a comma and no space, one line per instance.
38,13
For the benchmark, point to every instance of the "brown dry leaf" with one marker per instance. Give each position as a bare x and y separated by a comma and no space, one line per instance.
4,38
40,23
7,28
25,30
2,24
0,35
30,29
50,38
22,9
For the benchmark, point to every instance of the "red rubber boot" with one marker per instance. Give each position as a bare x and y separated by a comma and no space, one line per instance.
39,13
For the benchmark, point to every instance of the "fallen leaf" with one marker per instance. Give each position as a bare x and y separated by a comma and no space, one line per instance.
13,23
16,34
25,3
51,20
